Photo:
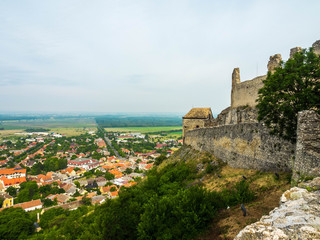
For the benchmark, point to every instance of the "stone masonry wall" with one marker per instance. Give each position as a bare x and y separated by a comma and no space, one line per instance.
190,124
244,145
246,93
307,162
235,116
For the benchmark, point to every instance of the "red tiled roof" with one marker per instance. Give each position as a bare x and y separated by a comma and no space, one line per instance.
12,171
30,204
12,181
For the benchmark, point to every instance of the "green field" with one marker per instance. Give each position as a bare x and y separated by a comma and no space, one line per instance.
49,123
69,126
144,129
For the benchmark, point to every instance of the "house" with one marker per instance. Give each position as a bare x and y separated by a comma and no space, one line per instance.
135,175
101,181
44,178
13,173
129,184
70,171
112,159
90,195
61,198
14,182
7,200
113,195
69,188
159,145
98,199
125,151
30,206
116,173
85,163
106,190
91,184
100,143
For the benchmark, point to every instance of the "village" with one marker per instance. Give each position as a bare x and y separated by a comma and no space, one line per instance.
41,170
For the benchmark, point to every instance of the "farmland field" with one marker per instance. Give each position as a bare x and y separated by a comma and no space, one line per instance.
144,129
73,122
72,131
69,126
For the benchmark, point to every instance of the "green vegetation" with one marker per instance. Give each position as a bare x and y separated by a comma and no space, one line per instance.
15,223
37,130
51,164
144,129
12,191
118,149
166,205
143,121
293,87
32,150
30,191
47,122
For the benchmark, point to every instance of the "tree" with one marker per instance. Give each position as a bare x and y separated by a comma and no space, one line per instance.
15,223
12,191
160,159
293,87
109,176
28,191
1,201
48,202
77,184
128,171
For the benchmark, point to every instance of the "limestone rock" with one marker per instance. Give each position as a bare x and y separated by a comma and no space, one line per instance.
297,217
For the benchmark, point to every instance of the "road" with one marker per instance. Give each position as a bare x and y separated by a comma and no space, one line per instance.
115,151
109,143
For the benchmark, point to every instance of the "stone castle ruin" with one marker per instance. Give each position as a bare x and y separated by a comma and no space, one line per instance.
237,138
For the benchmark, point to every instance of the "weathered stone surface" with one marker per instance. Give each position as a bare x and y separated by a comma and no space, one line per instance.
307,162
236,115
316,47
244,145
274,62
235,76
294,50
245,93
311,185
297,217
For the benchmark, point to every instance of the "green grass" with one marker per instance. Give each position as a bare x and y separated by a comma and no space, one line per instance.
144,129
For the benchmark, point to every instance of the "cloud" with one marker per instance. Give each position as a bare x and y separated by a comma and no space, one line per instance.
140,55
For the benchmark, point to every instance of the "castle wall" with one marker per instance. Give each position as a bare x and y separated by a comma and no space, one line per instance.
307,162
190,124
236,115
246,93
244,145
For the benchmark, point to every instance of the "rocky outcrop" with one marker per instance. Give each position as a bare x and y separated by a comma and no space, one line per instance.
297,217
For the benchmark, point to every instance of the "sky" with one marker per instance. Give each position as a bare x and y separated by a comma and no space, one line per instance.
141,55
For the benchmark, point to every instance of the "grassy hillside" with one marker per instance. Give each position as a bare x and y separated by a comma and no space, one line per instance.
228,222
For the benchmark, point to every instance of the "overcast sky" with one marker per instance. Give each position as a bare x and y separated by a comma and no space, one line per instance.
141,55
